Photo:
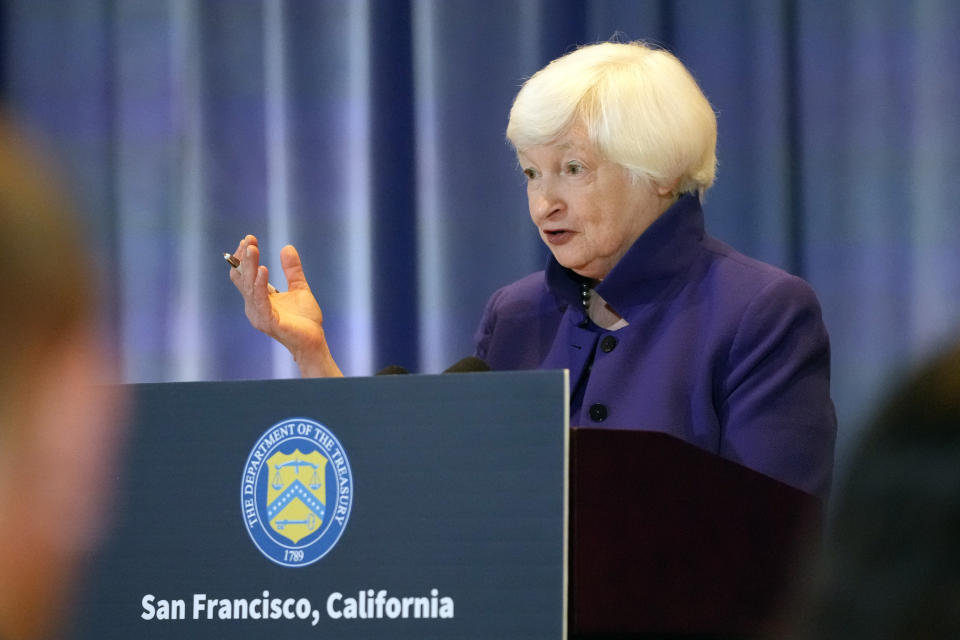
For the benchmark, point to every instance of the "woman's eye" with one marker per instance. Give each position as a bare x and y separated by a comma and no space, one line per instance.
574,168
530,174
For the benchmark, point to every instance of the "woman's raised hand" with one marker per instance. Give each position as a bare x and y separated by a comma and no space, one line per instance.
292,317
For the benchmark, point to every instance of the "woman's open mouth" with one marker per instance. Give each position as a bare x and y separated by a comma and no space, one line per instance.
558,236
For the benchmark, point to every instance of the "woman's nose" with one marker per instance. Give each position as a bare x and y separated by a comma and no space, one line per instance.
545,203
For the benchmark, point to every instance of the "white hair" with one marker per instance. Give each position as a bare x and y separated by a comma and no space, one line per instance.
640,107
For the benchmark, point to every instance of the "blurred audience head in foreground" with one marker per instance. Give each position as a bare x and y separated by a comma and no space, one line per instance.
59,421
892,564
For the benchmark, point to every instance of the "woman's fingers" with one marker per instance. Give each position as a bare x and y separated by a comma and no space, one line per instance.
251,279
247,267
259,300
234,272
292,268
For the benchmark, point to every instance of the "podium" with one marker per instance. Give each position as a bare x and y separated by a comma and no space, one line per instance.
401,507
670,540
424,507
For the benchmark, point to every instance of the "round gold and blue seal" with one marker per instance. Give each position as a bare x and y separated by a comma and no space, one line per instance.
297,492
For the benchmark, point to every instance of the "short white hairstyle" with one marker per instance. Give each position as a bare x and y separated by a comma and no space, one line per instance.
640,107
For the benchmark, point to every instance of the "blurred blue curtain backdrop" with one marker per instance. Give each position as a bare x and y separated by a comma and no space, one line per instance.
369,133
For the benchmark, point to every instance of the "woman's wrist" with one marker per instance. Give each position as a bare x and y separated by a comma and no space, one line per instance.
317,362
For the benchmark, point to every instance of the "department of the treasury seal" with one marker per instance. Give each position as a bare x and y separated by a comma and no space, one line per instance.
297,492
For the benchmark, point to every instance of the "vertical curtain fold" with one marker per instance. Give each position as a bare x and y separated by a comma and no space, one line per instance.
393,184
277,142
190,211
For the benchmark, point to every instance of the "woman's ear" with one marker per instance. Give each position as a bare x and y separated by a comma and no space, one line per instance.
668,190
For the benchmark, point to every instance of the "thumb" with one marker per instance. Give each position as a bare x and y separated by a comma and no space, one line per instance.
292,268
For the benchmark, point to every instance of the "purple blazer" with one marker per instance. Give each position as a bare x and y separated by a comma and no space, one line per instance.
721,350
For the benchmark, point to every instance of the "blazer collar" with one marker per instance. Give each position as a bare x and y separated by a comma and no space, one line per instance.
666,249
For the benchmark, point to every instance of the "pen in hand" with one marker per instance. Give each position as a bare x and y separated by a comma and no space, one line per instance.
235,263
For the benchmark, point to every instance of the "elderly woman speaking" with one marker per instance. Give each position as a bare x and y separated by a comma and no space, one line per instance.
662,327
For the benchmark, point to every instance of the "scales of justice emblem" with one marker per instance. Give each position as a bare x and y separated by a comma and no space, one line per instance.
297,492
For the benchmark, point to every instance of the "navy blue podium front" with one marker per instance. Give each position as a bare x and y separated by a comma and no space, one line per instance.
389,507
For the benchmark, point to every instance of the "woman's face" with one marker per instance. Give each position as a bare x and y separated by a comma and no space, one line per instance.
588,210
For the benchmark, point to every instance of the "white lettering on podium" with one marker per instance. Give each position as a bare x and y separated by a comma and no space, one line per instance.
368,604
154,609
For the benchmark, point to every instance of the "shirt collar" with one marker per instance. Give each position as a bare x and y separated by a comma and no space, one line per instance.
666,249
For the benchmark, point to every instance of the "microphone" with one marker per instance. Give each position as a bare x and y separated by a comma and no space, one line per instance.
392,370
468,364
